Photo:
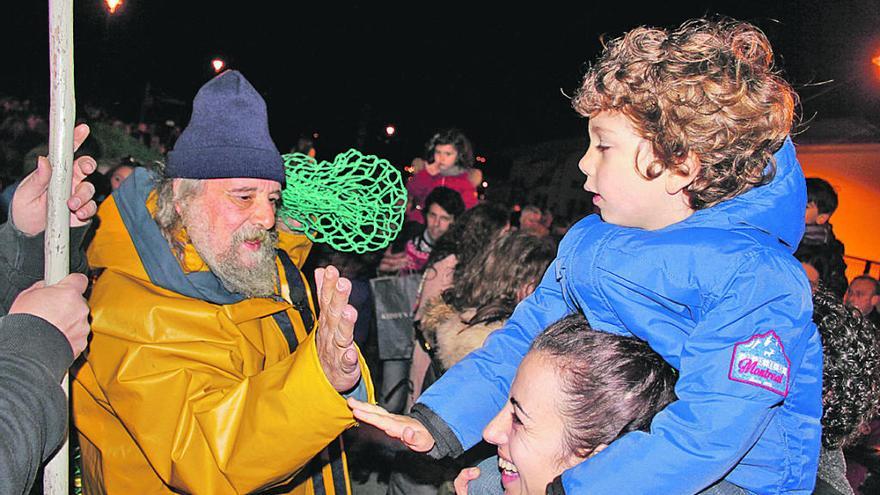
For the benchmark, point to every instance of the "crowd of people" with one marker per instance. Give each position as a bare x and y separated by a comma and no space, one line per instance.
697,336
822,256
24,135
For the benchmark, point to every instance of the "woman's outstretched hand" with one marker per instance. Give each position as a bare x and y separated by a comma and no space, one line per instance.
410,431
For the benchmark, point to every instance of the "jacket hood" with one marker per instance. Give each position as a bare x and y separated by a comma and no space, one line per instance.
129,240
776,208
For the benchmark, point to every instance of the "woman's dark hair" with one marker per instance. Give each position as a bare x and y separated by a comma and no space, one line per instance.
492,281
614,384
851,373
456,138
470,233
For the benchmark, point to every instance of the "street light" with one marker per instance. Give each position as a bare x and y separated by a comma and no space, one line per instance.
112,5
390,130
218,64
108,60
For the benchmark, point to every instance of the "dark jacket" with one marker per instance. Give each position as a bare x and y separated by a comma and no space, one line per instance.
22,261
34,356
824,251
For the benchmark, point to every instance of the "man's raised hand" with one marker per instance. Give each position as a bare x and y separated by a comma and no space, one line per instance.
335,339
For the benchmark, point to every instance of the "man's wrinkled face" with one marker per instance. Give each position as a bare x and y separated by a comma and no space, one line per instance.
861,295
231,223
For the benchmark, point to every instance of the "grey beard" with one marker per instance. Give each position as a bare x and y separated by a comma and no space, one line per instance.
255,281
251,281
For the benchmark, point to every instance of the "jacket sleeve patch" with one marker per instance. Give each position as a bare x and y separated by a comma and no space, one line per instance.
761,361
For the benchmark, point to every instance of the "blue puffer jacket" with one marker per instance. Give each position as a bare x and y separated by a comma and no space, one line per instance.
721,298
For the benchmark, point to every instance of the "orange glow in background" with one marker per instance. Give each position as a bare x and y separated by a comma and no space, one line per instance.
112,5
854,172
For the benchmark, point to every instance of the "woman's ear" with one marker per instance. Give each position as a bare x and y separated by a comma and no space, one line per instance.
524,291
599,448
583,453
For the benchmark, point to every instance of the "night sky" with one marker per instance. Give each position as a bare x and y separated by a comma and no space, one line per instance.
497,74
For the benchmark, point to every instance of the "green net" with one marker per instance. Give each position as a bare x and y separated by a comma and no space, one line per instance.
354,204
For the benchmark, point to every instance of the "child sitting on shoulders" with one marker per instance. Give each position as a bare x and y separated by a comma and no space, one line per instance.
702,203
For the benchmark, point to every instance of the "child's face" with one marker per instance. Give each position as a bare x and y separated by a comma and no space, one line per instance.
813,217
445,156
624,196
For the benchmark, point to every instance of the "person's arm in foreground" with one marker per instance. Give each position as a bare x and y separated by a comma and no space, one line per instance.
46,328
21,238
450,416
698,439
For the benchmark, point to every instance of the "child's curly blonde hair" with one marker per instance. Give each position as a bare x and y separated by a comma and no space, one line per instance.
708,90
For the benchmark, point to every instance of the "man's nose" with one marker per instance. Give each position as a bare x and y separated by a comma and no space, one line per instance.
264,214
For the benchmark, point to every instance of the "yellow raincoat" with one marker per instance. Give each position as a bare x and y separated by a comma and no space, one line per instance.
179,393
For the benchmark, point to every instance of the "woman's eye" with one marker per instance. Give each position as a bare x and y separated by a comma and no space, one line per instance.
601,147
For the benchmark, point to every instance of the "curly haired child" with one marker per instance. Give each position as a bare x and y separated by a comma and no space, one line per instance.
702,204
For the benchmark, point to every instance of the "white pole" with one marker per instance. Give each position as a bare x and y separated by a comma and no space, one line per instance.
62,114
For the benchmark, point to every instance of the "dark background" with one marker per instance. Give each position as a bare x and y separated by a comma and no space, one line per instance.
497,73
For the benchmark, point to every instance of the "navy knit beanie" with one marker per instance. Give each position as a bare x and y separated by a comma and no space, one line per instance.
227,136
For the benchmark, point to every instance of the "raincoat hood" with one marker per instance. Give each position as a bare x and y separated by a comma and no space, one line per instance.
776,208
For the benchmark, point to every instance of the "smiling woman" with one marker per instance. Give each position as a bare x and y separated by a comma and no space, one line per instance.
576,391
